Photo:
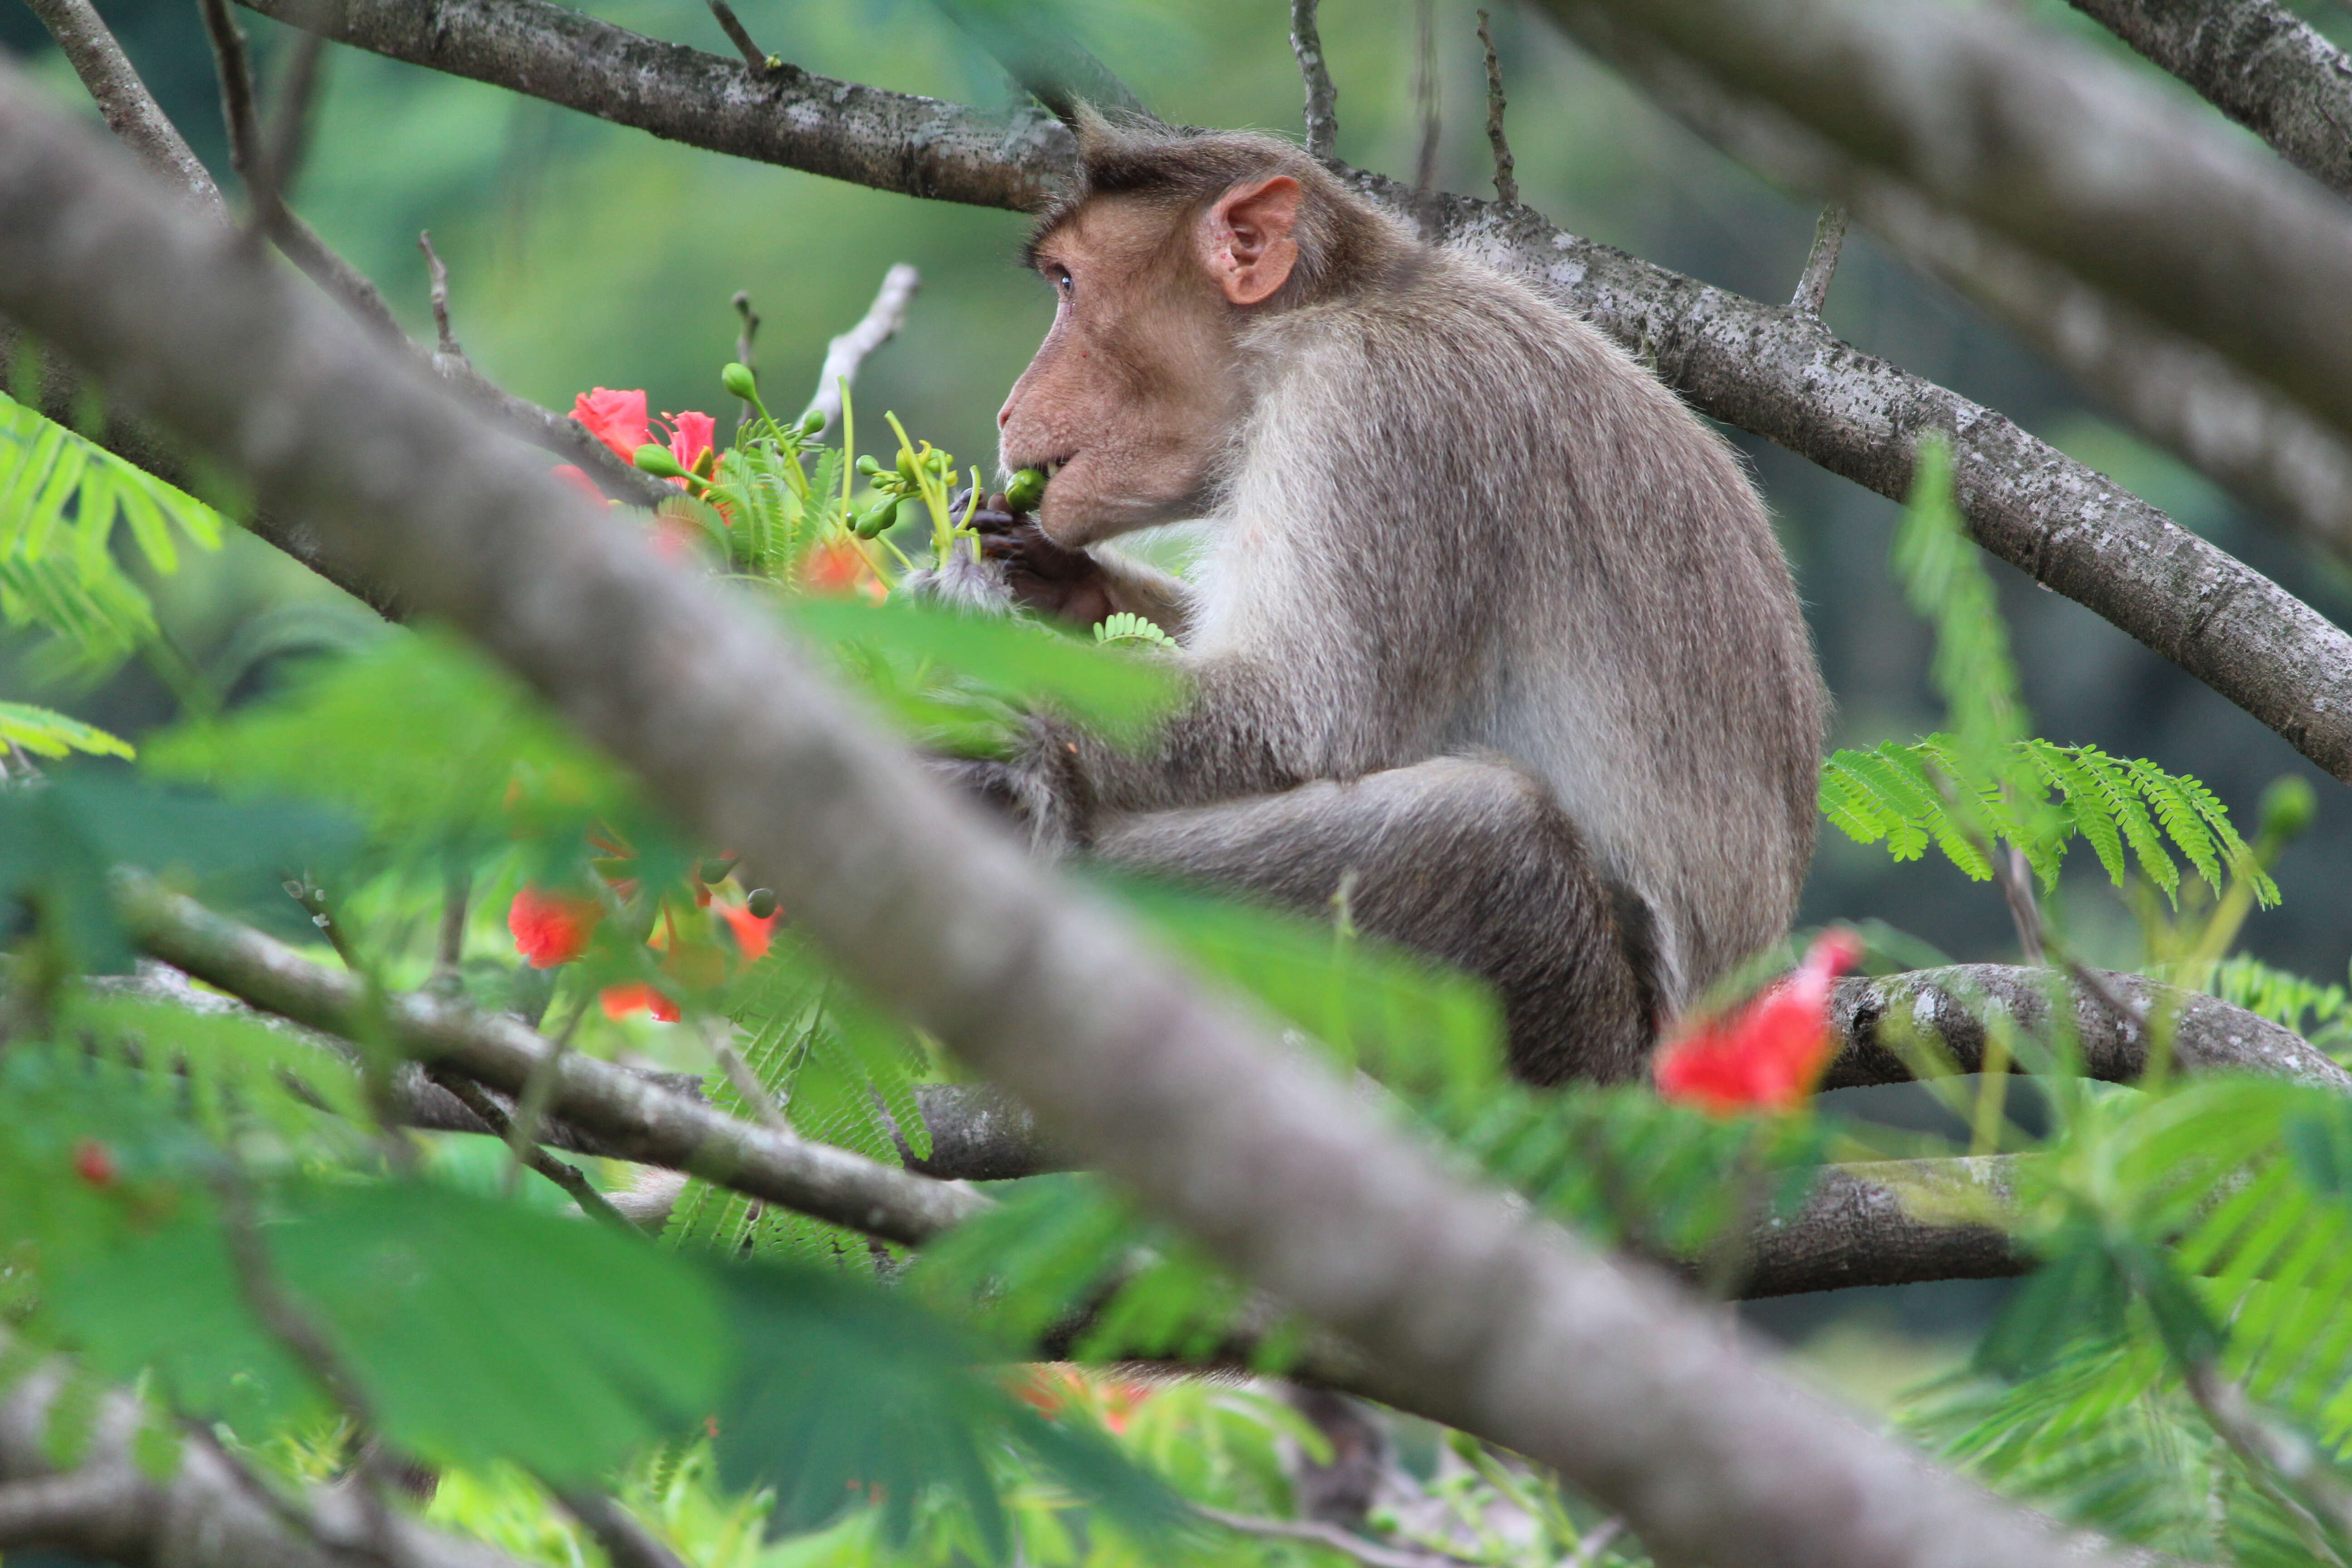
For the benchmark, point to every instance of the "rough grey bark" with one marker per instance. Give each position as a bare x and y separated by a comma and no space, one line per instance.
2240,432
2209,1035
2258,63
2067,153
131,111
1473,1311
631,1117
1776,372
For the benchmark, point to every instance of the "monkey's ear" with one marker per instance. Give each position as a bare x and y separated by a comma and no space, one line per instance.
1249,247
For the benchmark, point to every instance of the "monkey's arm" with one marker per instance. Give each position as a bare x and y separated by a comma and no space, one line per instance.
1160,597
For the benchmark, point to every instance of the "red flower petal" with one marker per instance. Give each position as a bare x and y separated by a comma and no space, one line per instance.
753,934
1768,1054
552,928
615,419
690,435
620,1001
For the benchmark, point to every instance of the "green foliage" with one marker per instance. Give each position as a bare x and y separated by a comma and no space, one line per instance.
1912,795
2320,1014
61,498
478,1331
48,734
222,1068
1128,627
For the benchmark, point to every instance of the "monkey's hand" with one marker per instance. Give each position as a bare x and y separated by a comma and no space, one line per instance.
1041,575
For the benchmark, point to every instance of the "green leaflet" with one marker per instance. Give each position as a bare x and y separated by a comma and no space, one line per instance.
2038,798
61,497
48,734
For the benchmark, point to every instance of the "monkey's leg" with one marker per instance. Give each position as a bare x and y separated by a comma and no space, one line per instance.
1467,859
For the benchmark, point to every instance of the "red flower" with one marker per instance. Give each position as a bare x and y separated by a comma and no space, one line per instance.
1769,1053
620,1001
615,419
751,934
577,478
93,1161
552,928
838,566
690,435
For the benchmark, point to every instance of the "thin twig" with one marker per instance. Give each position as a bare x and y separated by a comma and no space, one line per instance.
449,949
292,1329
845,353
2295,1472
308,894
1507,183
131,111
571,1178
755,60
272,179
2024,911
1372,1553
747,342
449,346
1322,98
234,69
747,1085
1821,262
1424,92
623,1536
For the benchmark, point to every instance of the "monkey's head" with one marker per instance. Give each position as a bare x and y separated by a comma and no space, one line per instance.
1167,247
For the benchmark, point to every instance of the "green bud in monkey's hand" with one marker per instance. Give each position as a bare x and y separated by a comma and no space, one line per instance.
1027,488
738,380
656,461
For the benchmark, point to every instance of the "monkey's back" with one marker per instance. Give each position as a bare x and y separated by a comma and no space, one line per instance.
1537,549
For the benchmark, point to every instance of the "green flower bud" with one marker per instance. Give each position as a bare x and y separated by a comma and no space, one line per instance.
868,467
909,465
1027,488
656,461
875,518
812,422
738,380
2287,808
761,903
715,870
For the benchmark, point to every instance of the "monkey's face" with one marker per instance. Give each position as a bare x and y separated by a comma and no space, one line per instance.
1130,400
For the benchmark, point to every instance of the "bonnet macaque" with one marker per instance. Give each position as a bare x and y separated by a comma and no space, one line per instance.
1492,628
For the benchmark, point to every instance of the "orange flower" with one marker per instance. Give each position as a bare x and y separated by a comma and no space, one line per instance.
1768,1054
620,1001
552,928
753,934
93,1161
838,566
615,419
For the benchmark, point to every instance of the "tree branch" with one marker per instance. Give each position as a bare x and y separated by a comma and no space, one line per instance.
1322,98
2066,152
2241,433
205,1515
1487,1320
131,111
635,1118
1773,371
845,353
1507,184
2258,63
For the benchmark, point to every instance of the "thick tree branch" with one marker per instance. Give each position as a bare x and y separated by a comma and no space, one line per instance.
2243,433
131,111
1473,1311
2066,152
1777,371
2258,63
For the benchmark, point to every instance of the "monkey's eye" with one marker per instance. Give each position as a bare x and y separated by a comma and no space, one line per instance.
1065,283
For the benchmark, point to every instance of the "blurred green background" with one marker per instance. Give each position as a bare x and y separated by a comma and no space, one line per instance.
583,253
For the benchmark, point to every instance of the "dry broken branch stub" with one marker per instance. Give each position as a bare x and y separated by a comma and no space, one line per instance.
1773,371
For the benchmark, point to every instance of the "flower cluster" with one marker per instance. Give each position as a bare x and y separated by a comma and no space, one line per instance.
618,419
1768,1054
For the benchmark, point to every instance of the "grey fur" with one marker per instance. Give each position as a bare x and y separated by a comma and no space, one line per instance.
1491,620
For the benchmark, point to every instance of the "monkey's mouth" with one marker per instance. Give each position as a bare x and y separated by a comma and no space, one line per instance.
1051,466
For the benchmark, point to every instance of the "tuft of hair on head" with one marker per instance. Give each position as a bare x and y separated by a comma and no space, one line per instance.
1344,242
